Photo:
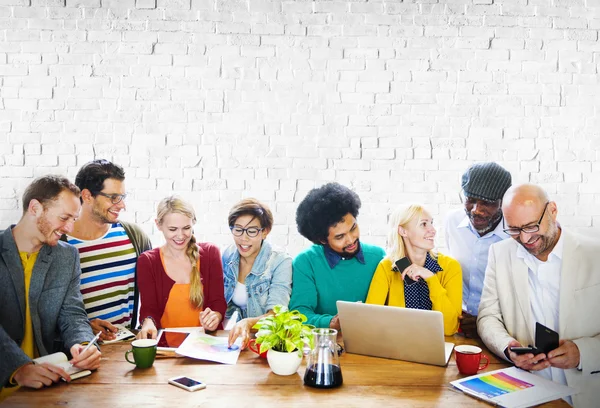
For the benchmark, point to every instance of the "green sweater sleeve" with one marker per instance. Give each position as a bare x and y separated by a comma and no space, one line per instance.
304,292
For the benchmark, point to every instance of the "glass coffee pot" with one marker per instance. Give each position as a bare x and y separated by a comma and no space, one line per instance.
323,365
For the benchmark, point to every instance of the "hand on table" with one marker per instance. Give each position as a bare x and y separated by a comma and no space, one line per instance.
527,361
565,356
148,330
109,331
39,375
210,319
88,360
335,323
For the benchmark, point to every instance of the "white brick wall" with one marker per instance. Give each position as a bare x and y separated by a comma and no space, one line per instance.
222,99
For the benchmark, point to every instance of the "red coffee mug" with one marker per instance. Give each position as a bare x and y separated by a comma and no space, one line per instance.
257,349
468,359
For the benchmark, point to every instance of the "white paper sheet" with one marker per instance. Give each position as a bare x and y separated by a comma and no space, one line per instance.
512,388
205,347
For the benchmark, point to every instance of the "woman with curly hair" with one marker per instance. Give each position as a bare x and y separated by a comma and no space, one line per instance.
431,281
338,266
181,283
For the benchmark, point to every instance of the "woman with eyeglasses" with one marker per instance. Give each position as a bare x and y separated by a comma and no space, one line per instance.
180,283
257,276
425,279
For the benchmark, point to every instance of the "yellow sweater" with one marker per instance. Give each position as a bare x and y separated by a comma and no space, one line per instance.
27,345
445,290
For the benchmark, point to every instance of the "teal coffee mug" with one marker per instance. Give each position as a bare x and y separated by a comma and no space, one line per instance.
144,352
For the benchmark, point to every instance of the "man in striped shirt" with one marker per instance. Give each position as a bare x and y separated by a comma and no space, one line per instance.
108,249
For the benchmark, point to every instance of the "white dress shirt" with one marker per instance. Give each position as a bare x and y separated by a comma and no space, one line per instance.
544,295
471,251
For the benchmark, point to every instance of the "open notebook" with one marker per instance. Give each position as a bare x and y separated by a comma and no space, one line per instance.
60,360
122,335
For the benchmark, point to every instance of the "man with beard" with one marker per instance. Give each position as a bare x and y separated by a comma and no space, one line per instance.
108,249
338,266
470,231
545,274
42,311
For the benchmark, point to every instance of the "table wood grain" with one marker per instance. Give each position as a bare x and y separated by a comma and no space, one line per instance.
368,382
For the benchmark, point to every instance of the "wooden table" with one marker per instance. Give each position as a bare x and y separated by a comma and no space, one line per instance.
368,382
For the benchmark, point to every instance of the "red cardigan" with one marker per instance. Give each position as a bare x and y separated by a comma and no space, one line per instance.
154,283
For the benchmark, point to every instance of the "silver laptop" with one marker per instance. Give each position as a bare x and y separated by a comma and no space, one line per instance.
394,332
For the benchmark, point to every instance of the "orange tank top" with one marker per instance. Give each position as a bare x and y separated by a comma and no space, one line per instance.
179,310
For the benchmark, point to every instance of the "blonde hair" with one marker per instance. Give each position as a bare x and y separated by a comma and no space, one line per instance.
401,217
174,204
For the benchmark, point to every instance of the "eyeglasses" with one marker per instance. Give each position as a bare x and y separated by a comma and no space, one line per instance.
530,229
251,232
114,198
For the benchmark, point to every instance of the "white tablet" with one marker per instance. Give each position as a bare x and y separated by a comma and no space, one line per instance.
170,340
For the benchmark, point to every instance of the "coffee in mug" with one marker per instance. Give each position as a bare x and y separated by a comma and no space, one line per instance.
468,359
144,352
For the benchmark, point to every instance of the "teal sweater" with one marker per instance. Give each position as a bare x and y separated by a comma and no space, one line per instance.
316,287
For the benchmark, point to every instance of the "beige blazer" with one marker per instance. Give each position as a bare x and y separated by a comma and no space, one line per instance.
505,310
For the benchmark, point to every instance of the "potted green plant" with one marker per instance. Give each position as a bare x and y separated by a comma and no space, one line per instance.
283,334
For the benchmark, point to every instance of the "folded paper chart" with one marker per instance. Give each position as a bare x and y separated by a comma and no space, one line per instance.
202,346
512,388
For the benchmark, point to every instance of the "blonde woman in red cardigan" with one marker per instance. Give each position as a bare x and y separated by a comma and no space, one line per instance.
180,283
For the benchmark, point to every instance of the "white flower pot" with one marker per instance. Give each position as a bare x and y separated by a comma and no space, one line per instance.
284,363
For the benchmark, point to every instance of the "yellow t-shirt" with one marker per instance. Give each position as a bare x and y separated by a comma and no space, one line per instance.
28,344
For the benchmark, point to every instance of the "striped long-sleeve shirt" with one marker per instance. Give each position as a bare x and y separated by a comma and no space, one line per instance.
108,275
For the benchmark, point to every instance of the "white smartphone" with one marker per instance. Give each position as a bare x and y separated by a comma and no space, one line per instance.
187,383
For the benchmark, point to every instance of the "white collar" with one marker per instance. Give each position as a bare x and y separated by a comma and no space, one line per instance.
498,231
557,251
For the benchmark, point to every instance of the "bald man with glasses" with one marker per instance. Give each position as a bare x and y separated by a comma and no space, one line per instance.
549,275
108,249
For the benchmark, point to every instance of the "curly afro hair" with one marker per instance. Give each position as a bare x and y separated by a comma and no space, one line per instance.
324,207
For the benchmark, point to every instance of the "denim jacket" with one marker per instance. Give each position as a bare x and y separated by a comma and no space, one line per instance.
269,283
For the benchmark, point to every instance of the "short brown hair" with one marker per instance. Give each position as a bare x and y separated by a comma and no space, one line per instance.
47,188
253,207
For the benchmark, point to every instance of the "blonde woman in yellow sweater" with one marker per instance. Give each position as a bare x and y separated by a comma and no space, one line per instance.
432,281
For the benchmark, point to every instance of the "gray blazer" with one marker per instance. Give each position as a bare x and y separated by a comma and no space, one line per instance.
57,313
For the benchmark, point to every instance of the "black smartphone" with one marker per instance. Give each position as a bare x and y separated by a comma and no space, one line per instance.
524,350
400,265
546,339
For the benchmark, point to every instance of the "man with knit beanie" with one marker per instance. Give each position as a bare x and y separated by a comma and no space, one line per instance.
471,230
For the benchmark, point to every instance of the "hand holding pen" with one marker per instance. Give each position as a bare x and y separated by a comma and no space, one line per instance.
86,357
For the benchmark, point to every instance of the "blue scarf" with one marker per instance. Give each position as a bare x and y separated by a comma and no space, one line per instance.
416,295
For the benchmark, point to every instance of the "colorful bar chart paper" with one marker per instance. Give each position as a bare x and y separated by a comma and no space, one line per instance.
512,388
494,385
